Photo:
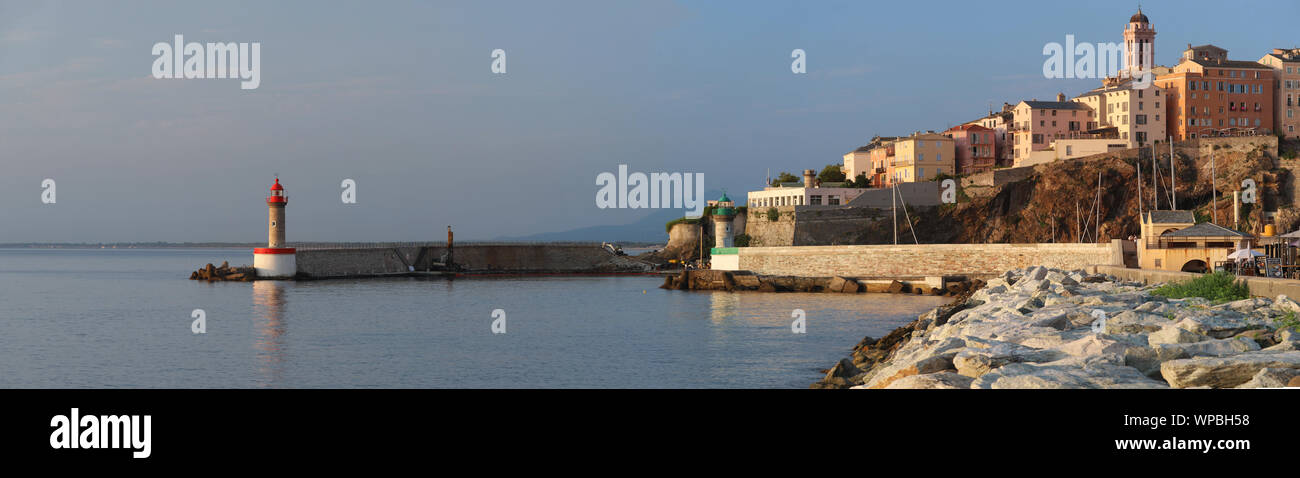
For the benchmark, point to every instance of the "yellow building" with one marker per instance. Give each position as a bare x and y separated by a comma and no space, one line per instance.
922,156
1172,241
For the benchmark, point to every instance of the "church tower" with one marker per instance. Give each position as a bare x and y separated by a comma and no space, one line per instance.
1139,43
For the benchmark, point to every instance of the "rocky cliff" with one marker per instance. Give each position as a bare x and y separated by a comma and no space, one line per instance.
1060,201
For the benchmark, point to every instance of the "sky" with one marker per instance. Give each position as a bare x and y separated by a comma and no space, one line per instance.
401,98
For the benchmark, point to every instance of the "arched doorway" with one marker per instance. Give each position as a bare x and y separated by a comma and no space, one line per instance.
1194,265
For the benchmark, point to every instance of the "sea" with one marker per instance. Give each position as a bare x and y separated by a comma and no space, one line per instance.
127,318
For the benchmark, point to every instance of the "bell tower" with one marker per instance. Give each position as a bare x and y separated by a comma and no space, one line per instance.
1139,43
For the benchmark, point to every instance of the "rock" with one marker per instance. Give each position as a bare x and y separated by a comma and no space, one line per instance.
1208,348
840,284
1219,324
1036,273
1172,334
1286,334
1130,322
939,380
1031,285
843,369
1294,382
1057,320
1246,305
923,359
1272,378
1285,304
1095,344
1092,372
1225,372
974,362
895,287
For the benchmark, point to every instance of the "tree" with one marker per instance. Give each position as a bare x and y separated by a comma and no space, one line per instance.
831,174
859,182
785,177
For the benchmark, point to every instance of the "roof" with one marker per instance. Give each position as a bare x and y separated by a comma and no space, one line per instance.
1230,64
277,186
968,127
1172,217
724,198
1056,105
1138,17
1205,229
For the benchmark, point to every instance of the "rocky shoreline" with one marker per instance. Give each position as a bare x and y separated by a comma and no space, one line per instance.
1042,328
744,280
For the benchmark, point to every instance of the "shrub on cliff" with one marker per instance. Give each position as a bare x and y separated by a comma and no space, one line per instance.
741,240
773,215
1218,287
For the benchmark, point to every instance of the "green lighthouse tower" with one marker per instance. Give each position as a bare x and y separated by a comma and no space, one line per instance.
724,214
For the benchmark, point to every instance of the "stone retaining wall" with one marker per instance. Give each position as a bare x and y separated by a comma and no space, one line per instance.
904,261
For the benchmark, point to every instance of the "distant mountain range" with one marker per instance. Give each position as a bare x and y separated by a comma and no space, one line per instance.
649,229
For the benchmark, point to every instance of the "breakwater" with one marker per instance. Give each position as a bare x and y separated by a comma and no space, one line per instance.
465,259
473,259
1049,328
748,281
914,261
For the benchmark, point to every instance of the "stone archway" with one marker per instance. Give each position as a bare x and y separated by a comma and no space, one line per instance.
1195,265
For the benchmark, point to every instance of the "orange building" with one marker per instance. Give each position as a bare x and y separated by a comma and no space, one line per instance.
1210,95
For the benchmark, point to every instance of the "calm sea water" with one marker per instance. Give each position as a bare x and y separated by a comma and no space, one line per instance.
121,318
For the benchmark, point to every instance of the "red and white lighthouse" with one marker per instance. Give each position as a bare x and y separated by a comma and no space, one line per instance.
275,261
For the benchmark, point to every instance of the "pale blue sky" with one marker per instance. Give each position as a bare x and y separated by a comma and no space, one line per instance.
400,97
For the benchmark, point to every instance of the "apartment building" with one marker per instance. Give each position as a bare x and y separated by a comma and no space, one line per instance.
975,148
1037,123
1209,95
922,156
1286,89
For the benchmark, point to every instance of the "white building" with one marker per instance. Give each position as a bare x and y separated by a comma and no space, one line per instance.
800,194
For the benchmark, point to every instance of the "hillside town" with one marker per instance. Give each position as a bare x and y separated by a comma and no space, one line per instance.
1206,94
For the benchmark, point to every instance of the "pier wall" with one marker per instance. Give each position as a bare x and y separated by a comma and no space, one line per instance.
902,261
469,258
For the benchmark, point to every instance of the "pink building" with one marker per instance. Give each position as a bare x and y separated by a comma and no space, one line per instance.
975,148
1038,123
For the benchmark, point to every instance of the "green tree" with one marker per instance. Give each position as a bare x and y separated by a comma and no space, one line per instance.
831,174
859,182
785,177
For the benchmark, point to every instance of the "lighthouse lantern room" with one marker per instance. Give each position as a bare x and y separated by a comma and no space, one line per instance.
275,261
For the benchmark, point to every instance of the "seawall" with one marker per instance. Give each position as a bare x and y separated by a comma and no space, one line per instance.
912,261
473,259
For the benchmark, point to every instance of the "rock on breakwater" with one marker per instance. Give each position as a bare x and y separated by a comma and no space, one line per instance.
1038,328
211,273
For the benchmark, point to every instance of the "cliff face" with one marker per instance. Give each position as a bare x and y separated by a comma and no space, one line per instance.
1061,201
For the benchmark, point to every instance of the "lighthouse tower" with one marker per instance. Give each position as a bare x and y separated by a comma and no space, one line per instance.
724,213
275,260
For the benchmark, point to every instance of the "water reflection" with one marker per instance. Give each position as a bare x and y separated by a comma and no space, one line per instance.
268,319
722,305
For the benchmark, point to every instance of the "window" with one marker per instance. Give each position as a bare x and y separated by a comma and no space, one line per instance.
1140,119
920,172
920,157
815,200
833,200
939,157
